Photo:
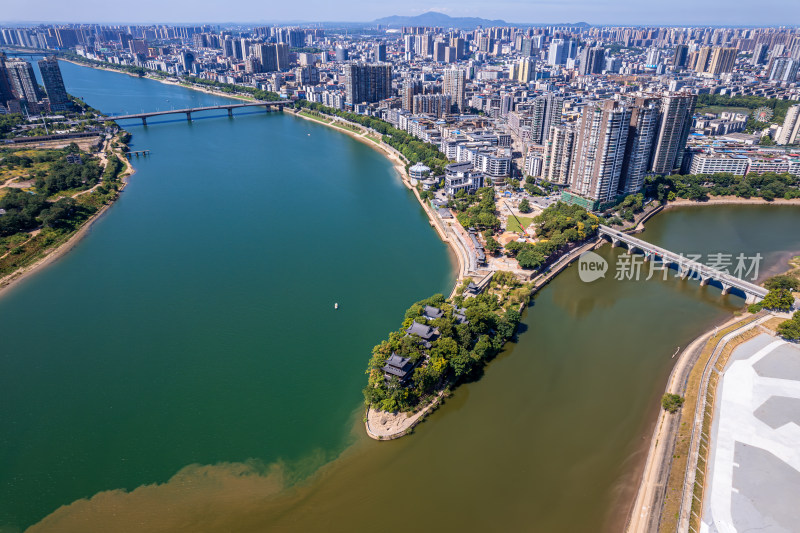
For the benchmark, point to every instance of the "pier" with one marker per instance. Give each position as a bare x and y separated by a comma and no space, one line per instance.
137,153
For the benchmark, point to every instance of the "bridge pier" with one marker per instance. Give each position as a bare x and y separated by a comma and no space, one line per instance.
751,299
614,242
704,281
230,111
647,256
725,289
144,121
189,116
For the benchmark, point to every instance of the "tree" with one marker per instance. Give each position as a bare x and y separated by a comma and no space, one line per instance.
790,329
782,282
492,246
671,402
779,299
525,206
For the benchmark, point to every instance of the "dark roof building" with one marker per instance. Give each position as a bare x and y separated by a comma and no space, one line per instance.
432,313
424,332
398,367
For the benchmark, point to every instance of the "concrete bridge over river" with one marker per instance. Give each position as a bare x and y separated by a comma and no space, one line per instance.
188,111
687,267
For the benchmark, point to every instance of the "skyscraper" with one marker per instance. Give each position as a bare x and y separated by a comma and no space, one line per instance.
23,80
527,47
367,83
454,85
680,57
673,130
557,55
54,84
600,150
380,52
6,93
593,59
790,131
641,138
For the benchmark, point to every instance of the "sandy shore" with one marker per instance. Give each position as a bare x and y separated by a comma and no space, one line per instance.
52,255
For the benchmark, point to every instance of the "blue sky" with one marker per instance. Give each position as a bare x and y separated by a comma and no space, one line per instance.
669,12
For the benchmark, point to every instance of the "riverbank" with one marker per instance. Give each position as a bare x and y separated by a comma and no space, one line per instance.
731,200
53,254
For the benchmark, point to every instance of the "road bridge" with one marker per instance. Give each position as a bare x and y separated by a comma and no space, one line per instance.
188,111
687,267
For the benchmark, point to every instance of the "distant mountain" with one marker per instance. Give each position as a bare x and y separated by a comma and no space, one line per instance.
433,18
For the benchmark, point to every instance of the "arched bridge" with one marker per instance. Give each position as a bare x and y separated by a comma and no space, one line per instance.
188,111
687,267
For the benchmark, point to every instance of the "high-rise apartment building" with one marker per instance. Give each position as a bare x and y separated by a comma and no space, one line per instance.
439,48
546,111
432,104
54,84
410,89
600,150
759,54
674,126
641,139
558,154
367,83
723,59
273,57
527,48
6,93
701,59
681,56
784,69
790,131
23,80
455,86
525,70
380,52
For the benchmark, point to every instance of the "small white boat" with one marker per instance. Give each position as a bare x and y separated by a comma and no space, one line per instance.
336,305
309,134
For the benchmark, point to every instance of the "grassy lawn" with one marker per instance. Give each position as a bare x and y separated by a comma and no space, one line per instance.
513,225
314,117
721,109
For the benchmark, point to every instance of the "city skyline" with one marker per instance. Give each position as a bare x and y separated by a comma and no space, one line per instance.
606,12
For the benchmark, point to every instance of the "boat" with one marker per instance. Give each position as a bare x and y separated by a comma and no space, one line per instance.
336,305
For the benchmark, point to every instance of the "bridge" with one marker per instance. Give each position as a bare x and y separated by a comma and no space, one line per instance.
188,111
687,267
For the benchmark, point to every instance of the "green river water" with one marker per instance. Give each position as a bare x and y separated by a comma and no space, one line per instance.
183,368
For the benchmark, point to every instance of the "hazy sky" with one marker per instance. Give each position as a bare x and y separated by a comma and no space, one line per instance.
661,12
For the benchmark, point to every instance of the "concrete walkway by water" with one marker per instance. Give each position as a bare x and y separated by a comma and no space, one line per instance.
754,465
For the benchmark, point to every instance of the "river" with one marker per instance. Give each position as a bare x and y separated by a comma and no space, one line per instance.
183,366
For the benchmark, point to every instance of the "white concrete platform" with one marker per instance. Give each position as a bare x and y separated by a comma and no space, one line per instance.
754,461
